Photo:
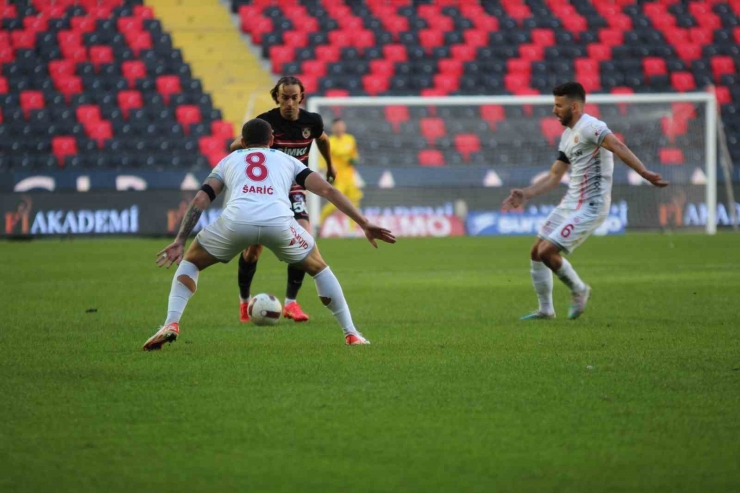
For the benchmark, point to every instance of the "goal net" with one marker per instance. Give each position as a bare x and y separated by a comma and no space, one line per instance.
439,166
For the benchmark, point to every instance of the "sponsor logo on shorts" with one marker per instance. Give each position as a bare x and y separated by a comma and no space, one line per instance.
297,238
258,190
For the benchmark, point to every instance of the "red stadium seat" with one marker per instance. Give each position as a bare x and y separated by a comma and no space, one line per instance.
671,156
701,36
396,115
688,52
100,131
143,11
315,67
99,11
222,129
431,38
516,11
620,21
599,52
710,21
611,37
6,54
677,35
447,83
395,53
62,146
31,100
464,53
340,38
280,55
337,93
101,54
673,127
295,39
519,66
592,109
69,38
83,24
88,113
23,40
590,82
375,84
551,128
132,70
431,157
385,68
654,66
168,85
328,53
514,82
476,37
61,68
543,37
467,144
213,148
8,12
69,85
130,24
186,115
139,41
723,95
492,114
36,23
3,85
532,52
128,100
451,67
432,129
364,38
586,67
396,24
722,65
683,111
683,81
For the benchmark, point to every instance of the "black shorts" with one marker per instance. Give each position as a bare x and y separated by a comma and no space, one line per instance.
298,202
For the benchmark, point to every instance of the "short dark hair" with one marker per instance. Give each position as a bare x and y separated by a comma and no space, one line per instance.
287,80
571,90
256,132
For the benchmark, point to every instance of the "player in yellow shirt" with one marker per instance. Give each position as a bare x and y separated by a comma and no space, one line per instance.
344,157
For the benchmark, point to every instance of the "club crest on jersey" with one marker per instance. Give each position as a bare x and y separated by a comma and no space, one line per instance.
306,132
575,139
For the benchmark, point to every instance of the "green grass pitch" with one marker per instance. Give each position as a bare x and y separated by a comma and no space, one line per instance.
454,394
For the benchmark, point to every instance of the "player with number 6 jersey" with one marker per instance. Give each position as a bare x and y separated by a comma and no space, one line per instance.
586,147
258,212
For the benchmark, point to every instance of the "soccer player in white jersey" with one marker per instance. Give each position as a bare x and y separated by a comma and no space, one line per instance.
586,147
258,212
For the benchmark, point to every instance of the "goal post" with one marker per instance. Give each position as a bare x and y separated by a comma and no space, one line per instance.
512,139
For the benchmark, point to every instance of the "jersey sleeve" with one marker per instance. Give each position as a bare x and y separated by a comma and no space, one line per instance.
219,172
596,131
319,127
561,150
300,171
355,154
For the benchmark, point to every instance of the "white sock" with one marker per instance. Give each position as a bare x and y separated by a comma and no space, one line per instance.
542,281
242,300
569,277
179,293
288,301
327,286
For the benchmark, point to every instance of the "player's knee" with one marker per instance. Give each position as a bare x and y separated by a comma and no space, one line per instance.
187,275
547,252
252,254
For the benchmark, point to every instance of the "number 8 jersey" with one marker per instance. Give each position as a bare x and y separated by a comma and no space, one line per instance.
258,181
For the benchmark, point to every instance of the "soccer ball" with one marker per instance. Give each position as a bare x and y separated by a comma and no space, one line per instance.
264,309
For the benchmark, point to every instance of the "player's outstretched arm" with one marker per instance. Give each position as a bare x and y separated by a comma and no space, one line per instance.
611,143
172,254
316,184
519,196
325,149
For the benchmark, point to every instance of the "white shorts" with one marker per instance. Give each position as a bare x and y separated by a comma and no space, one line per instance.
568,228
288,241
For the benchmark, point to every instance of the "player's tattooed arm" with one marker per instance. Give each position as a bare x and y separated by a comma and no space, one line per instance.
207,194
191,218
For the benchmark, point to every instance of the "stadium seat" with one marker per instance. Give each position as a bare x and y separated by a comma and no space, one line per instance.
432,129
187,115
671,156
396,115
467,144
63,146
431,157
